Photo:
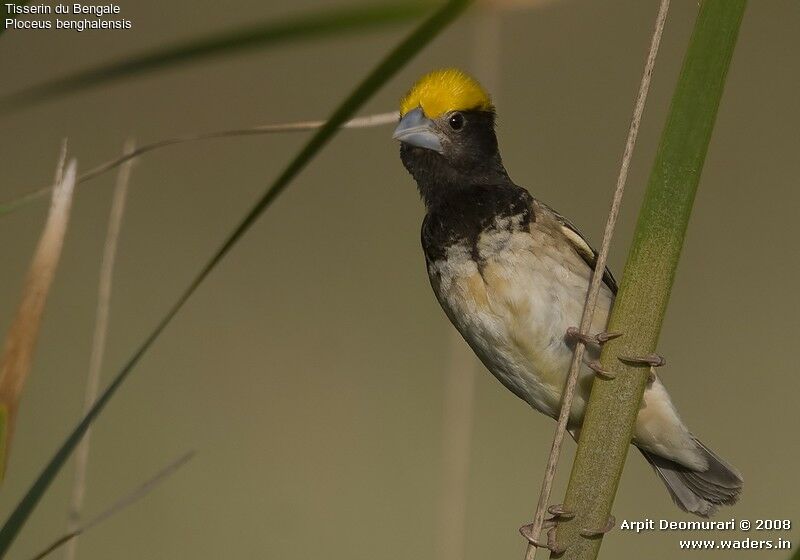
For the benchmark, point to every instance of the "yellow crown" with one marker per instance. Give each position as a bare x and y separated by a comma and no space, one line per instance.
443,91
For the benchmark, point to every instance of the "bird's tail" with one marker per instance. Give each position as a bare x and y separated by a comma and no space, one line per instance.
699,492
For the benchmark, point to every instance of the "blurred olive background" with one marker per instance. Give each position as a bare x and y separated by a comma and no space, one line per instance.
308,370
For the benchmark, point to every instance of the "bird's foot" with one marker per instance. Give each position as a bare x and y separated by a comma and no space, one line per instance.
551,545
558,511
589,533
598,339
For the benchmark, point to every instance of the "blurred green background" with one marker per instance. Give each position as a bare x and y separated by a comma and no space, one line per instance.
308,370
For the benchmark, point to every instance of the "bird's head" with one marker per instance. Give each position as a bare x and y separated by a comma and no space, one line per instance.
446,129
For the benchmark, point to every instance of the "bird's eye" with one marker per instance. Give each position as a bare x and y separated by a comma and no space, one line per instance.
456,121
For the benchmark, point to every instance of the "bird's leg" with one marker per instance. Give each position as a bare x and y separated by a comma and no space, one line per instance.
589,533
598,339
527,532
558,511
551,545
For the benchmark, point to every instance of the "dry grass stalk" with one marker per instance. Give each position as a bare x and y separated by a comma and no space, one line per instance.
597,278
647,280
15,364
367,121
135,495
457,429
98,343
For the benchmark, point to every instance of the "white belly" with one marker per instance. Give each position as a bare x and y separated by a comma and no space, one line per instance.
515,311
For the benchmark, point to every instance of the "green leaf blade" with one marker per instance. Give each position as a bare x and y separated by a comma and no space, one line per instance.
313,26
395,60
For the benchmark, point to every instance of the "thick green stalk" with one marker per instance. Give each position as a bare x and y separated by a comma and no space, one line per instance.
642,300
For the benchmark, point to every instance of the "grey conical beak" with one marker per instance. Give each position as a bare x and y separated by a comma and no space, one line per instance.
418,130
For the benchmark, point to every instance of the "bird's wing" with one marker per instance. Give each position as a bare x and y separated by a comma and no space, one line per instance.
586,251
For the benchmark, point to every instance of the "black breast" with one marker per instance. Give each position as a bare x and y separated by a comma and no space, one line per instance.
464,213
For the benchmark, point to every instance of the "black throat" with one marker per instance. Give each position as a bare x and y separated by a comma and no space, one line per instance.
466,189
464,213
470,158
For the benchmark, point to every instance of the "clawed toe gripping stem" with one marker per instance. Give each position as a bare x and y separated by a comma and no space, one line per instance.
589,533
559,512
551,545
597,339
595,366
573,333
653,360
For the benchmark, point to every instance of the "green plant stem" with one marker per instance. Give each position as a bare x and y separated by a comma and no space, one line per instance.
395,60
642,300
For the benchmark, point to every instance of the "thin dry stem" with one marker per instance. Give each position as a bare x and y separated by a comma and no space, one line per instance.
457,424
135,495
98,342
367,121
597,278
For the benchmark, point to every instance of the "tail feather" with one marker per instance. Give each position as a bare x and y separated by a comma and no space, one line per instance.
699,492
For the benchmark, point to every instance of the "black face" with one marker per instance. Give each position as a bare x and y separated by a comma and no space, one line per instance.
468,138
469,154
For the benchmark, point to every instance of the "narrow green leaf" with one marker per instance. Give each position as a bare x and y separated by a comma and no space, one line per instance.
647,281
5,13
393,62
329,22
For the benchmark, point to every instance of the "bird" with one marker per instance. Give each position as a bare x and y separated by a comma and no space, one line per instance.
512,276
